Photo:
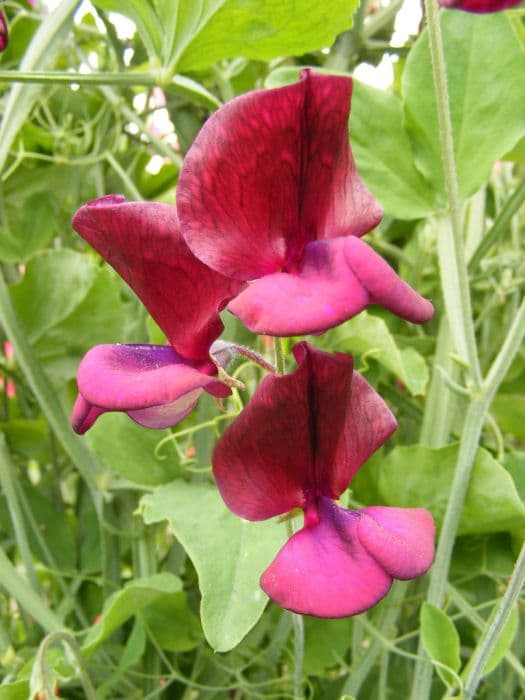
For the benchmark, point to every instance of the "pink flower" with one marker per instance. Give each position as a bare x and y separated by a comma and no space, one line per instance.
297,444
156,385
269,195
4,32
479,6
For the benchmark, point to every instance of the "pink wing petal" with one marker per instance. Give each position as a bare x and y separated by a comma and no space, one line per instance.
142,241
268,461
479,6
337,279
325,570
151,383
401,540
269,172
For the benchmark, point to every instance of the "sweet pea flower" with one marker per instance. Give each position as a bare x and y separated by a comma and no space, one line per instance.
156,385
479,6
269,195
297,444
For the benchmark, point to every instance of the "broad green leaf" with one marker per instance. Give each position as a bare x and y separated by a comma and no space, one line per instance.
368,335
509,411
229,554
515,465
441,640
383,153
34,230
128,449
487,97
53,285
122,605
503,642
419,476
208,30
172,623
44,48
19,690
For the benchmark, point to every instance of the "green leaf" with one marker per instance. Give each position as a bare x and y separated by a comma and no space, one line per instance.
419,476
54,284
128,449
487,97
172,623
515,464
368,335
33,231
325,644
503,642
194,91
44,48
441,640
19,690
229,554
209,30
509,411
122,605
383,153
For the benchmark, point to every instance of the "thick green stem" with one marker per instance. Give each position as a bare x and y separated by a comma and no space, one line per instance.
486,646
452,263
16,587
72,77
298,628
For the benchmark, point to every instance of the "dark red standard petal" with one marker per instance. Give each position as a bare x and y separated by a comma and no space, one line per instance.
479,6
302,435
142,241
270,171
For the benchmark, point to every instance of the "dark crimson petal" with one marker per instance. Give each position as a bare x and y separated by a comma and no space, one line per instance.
401,540
151,383
368,423
337,279
142,241
270,171
479,6
266,463
334,201
324,570
4,33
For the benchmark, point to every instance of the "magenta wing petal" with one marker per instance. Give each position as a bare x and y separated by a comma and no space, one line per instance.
154,385
337,279
325,570
269,172
84,415
142,241
401,540
4,33
267,462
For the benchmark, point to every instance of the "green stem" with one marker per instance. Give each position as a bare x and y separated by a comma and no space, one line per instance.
71,77
17,587
487,643
452,263
7,481
67,638
502,221
279,355
298,628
